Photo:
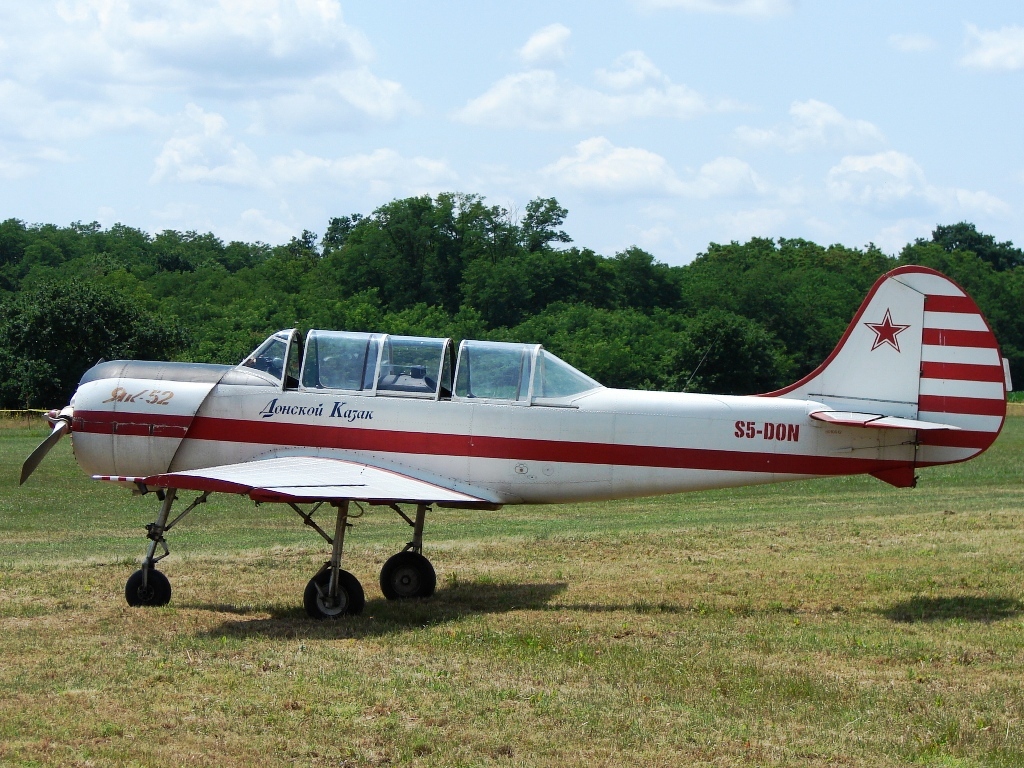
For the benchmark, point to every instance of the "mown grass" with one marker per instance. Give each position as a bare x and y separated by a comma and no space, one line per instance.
835,622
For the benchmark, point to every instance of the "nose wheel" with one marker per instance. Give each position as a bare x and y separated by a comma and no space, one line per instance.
148,586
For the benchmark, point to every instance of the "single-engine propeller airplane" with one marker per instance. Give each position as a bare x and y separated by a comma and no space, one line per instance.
917,380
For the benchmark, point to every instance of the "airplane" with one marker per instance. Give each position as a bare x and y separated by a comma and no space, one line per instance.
917,380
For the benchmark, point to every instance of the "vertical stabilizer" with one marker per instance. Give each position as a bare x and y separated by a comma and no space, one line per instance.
918,348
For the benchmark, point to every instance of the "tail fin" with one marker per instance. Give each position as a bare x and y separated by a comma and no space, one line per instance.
918,348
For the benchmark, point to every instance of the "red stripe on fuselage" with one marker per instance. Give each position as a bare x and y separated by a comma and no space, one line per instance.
126,417
489,447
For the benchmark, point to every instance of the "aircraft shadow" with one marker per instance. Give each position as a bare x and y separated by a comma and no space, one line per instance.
965,607
383,617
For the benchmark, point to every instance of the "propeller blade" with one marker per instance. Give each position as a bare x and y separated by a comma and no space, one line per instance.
42,449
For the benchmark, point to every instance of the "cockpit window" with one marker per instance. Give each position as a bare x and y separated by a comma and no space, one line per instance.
270,355
556,378
495,370
340,360
414,366
410,366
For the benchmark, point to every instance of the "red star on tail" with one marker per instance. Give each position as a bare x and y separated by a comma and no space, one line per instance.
886,332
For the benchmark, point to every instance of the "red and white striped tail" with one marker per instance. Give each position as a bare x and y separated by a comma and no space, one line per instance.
963,381
918,348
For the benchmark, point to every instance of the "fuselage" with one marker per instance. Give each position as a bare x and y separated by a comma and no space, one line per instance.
136,420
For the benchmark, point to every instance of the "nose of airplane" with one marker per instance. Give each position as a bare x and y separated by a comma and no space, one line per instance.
61,421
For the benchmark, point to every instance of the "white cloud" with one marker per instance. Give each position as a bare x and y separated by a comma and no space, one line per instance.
19,164
994,49
724,177
912,43
13,167
599,167
334,101
204,152
883,179
754,222
892,238
892,180
546,45
28,114
382,172
538,98
255,225
631,71
753,8
91,66
814,125
227,40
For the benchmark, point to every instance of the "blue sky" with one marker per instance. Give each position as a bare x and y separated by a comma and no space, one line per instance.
666,124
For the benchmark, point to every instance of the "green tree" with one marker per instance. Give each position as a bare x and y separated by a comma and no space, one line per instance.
728,354
965,237
540,226
51,335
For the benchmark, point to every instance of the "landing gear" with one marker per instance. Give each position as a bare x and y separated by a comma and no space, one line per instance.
409,574
148,586
332,592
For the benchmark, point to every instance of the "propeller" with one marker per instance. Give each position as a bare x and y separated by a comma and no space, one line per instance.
61,423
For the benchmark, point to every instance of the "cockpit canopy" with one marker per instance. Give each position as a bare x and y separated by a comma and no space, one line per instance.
378,364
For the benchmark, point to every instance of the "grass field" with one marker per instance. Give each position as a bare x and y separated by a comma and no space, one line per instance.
835,622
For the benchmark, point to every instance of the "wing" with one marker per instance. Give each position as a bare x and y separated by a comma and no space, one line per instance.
308,478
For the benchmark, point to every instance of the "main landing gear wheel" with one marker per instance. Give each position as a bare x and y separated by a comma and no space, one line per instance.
319,603
155,590
407,574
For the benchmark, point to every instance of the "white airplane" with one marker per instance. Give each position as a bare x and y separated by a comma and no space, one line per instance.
917,380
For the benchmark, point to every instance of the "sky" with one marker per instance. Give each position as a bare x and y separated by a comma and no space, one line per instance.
665,124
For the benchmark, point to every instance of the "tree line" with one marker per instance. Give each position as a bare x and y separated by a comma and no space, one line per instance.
740,318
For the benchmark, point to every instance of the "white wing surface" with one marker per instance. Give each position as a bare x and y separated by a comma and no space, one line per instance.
308,478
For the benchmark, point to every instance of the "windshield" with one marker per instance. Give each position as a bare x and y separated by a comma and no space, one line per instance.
556,378
270,355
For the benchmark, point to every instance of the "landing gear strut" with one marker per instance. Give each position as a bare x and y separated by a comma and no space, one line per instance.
333,592
409,574
148,586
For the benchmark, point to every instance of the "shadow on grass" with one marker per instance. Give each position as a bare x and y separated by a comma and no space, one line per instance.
383,617
966,607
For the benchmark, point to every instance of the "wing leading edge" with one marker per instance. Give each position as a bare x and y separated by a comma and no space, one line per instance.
308,478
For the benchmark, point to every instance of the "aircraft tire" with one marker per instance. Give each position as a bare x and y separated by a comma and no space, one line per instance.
157,592
407,575
351,594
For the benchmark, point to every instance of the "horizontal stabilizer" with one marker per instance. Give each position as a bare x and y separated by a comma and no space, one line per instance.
876,421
